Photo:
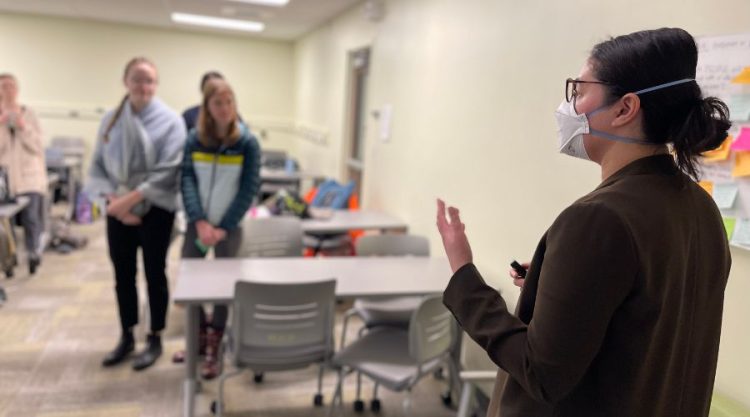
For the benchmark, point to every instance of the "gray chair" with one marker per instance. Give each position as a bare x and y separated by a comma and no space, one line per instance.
273,158
392,311
271,237
277,327
477,379
397,358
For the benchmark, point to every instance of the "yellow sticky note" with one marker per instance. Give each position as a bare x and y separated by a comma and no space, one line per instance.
721,153
743,77
729,223
708,186
741,164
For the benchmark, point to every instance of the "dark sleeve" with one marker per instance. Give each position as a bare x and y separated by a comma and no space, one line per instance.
589,267
249,184
191,198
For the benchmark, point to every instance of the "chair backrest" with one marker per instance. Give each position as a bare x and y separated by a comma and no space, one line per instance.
273,159
271,237
281,319
393,245
70,146
431,330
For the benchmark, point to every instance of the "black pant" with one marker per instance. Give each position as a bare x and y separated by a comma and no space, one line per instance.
32,219
153,235
227,248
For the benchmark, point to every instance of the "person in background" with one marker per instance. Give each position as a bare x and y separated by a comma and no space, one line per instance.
620,311
191,115
135,167
220,178
22,155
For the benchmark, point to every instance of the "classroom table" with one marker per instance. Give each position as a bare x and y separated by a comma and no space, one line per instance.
7,211
11,209
284,175
202,281
342,221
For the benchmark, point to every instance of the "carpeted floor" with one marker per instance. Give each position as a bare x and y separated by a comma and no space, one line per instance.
57,325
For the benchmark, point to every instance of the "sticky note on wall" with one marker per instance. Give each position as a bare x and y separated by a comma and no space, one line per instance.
708,186
741,164
742,143
729,223
721,153
725,195
743,77
741,235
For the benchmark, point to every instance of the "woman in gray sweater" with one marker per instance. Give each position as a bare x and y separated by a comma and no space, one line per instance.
135,168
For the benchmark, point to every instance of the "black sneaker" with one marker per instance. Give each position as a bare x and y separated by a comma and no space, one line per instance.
121,351
149,355
33,265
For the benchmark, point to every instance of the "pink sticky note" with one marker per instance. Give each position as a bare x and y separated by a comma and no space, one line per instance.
742,143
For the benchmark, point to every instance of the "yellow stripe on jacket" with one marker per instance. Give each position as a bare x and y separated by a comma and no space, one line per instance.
222,159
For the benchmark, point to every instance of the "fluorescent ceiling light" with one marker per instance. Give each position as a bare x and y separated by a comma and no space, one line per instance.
274,3
218,22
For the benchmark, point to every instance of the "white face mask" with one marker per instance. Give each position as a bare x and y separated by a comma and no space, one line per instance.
571,126
570,130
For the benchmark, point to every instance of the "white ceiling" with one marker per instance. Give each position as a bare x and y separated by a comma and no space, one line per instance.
287,23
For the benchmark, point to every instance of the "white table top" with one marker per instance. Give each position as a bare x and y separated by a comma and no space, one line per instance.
283,175
66,162
206,281
8,210
345,220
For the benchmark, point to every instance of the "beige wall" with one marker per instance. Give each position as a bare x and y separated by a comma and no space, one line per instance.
474,86
66,63
320,88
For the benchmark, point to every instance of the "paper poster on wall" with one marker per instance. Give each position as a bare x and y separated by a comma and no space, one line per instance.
723,71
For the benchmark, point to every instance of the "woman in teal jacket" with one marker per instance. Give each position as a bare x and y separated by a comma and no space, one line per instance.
220,178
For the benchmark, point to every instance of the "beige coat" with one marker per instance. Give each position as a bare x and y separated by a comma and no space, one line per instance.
23,156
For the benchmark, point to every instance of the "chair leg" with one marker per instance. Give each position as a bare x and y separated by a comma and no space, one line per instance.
219,408
318,400
345,325
452,383
337,394
359,385
359,405
375,402
407,403
464,404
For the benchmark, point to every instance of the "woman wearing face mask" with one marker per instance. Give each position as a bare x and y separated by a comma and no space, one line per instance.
220,178
22,155
135,167
620,312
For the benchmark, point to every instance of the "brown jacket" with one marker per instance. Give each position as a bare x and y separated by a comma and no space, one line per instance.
23,156
620,314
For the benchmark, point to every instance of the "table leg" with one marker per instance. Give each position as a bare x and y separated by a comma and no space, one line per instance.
191,359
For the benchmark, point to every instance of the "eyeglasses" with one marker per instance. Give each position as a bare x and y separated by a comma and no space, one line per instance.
571,89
